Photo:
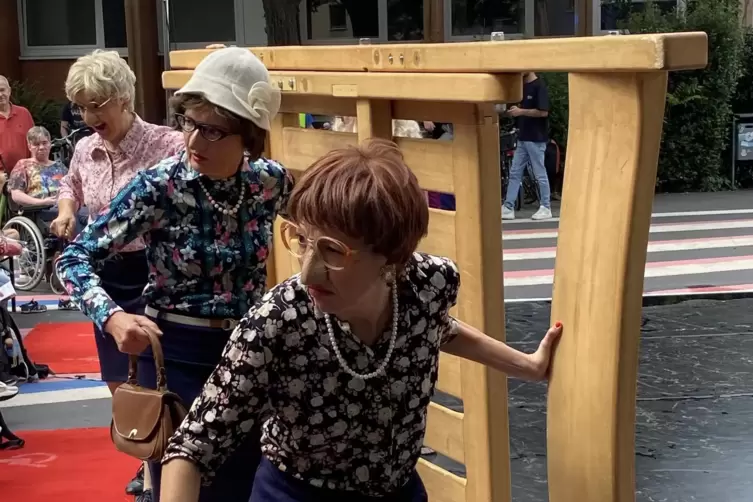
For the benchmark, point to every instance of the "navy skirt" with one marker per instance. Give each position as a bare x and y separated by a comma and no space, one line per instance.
272,484
191,354
123,278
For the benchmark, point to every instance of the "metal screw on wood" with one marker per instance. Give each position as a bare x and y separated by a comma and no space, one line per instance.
291,83
402,59
390,59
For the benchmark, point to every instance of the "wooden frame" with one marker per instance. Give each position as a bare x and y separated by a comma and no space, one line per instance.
617,94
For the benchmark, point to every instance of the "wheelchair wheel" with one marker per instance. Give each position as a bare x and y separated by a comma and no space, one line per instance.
56,284
30,264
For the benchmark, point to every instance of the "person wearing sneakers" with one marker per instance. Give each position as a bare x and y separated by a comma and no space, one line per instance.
206,217
532,121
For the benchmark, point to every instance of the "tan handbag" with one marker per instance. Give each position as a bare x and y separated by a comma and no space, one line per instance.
143,420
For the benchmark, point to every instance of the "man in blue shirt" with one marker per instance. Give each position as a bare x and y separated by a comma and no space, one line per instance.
532,122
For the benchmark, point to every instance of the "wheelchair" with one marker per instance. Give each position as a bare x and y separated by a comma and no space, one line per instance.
41,248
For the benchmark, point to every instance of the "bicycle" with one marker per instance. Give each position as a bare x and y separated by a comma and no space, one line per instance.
63,148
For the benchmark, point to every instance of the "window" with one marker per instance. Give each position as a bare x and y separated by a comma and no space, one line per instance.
338,17
51,23
405,20
113,14
68,29
477,19
615,12
348,20
554,18
201,22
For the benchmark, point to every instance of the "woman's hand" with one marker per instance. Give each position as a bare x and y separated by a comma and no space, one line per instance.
64,225
130,331
542,357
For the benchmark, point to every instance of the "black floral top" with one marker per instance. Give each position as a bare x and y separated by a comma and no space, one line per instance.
322,425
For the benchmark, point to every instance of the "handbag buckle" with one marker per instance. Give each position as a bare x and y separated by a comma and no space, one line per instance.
132,434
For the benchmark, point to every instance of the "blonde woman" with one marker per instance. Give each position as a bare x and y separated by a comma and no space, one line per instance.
101,86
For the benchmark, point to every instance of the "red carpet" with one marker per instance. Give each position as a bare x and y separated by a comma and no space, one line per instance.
65,347
66,465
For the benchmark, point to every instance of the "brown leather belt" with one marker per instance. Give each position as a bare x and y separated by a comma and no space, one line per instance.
226,324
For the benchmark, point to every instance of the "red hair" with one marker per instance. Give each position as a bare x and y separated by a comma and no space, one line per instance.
366,193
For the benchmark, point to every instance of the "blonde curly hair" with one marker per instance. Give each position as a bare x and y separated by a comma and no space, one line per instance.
104,75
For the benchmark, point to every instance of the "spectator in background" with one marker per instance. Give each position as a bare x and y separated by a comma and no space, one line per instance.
532,121
15,122
72,120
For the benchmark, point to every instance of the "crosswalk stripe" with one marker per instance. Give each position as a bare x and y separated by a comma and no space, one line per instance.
657,228
653,269
653,247
677,214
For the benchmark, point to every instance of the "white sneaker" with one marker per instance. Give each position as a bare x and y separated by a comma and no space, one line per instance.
544,213
507,213
7,391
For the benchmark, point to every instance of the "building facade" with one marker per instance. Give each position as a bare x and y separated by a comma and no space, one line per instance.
40,38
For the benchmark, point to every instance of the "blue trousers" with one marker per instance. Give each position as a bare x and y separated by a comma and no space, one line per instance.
274,485
191,354
528,151
123,278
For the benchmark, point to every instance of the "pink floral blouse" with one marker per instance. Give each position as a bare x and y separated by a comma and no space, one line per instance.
96,176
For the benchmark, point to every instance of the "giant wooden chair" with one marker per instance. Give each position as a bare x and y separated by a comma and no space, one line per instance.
617,94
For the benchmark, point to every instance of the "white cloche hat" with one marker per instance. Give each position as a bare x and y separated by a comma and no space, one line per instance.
233,78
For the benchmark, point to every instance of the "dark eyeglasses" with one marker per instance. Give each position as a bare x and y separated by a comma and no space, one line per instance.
208,132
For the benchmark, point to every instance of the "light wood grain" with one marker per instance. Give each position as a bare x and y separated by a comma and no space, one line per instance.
449,380
441,485
473,87
444,432
645,52
601,254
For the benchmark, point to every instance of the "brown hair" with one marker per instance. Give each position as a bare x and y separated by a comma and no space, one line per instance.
367,193
253,136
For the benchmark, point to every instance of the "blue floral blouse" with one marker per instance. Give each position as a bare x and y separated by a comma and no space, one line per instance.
202,263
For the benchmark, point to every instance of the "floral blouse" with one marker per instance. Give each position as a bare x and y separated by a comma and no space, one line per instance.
322,425
96,176
202,263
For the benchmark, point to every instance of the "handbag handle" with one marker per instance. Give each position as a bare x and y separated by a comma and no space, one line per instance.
159,363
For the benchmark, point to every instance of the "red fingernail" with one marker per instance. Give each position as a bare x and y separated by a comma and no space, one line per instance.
558,324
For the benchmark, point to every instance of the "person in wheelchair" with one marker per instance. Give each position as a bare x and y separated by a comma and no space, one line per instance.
34,185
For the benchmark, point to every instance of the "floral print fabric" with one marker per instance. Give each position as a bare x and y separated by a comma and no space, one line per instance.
36,179
97,175
322,425
202,263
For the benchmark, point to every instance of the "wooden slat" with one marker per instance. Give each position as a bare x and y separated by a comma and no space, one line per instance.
645,52
455,113
471,87
441,485
449,380
430,160
441,238
374,119
444,432
318,105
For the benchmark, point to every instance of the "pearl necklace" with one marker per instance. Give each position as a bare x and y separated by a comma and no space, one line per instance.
382,367
221,207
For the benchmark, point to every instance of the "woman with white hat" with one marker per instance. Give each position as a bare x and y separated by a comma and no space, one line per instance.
206,216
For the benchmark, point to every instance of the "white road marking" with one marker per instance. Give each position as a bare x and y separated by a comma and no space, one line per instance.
518,235
57,396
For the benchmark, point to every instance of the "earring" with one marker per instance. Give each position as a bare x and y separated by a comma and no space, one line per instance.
388,274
